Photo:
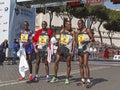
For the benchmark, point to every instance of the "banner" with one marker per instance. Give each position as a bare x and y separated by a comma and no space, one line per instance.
19,15
95,2
4,19
116,57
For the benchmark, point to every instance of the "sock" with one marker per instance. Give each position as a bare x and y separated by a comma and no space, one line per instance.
47,76
83,79
88,80
36,75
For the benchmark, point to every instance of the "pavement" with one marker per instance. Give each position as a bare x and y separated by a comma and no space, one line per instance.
104,76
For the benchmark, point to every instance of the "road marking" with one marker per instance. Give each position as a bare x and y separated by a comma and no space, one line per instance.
14,82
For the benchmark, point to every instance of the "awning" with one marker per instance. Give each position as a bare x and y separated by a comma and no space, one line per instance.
41,3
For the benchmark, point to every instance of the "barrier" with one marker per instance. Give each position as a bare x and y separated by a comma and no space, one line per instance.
116,57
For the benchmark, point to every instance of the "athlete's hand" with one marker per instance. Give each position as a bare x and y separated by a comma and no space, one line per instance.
25,44
72,53
82,42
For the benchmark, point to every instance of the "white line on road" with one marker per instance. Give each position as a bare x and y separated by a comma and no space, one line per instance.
13,82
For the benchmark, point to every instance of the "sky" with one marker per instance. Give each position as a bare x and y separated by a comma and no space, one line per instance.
110,5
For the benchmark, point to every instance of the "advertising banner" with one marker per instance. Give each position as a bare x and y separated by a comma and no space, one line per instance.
94,2
4,19
19,15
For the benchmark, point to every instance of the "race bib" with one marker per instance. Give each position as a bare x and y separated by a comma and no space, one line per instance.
64,39
24,37
81,37
42,40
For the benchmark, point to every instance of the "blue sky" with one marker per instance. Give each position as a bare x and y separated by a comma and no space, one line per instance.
110,5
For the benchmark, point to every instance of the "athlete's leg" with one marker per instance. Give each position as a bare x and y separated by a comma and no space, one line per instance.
68,62
37,63
47,69
56,65
46,66
86,56
88,82
81,65
29,58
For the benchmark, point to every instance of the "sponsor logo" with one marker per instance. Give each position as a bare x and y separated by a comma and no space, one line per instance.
6,8
1,16
1,9
4,30
5,23
2,3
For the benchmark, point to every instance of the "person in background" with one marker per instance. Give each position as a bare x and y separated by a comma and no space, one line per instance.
26,40
16,47
54,48
4,46
41,42
106,53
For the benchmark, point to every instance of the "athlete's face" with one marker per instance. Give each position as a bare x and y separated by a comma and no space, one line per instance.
44,25
25,25
80,24
67,25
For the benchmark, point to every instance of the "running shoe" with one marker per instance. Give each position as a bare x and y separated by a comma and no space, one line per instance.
80,83
35,79
67,81
21,78
30,77
54,79
88,84
47,79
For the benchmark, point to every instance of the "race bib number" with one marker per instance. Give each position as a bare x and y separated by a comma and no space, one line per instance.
81,37
42,40
64,39
24,37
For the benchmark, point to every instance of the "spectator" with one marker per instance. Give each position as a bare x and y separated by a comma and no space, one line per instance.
106,53
16,47
4,49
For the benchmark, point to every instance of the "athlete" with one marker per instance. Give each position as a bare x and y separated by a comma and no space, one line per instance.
65,50
42,40
84,39
26,40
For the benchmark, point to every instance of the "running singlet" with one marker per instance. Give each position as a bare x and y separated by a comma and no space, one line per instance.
25,37
83,36
66,40
43,40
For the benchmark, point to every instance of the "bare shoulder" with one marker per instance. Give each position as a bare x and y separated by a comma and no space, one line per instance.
88,30
74,31
61,31
31,31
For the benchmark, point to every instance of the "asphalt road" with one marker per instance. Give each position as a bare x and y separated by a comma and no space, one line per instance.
104,75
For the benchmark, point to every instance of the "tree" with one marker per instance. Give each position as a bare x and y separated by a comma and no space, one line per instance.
80,12
113,26
100,13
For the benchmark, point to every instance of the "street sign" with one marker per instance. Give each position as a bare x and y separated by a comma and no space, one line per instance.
94,2
115,1
76,3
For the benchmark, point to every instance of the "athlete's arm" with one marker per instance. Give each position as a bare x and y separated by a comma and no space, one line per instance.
90,34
